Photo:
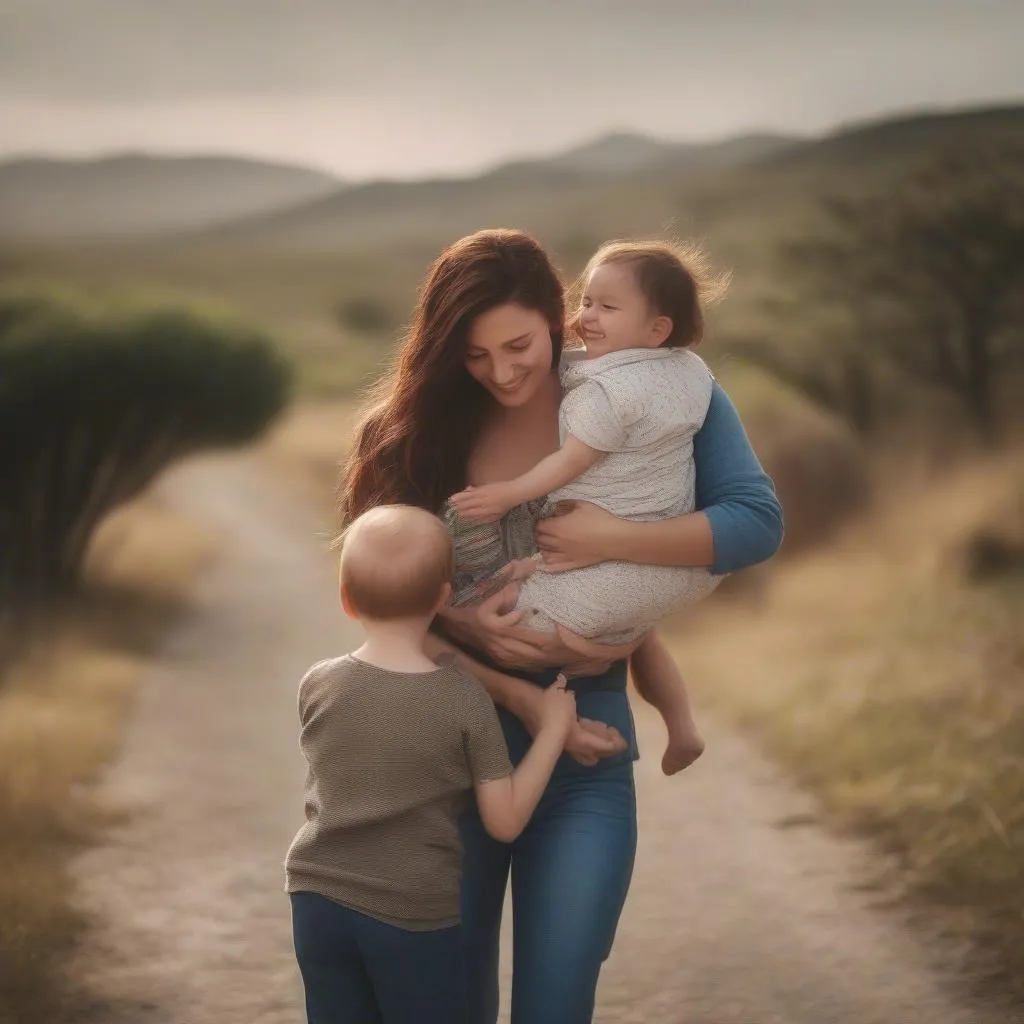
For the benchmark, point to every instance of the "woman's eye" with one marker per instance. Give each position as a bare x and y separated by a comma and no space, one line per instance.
610,308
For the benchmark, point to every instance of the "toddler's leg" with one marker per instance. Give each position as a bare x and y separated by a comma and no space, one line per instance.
660,683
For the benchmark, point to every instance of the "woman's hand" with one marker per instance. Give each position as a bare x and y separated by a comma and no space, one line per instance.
588,741
493,627
578,534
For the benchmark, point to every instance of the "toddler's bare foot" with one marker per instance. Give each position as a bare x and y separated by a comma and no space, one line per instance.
684,747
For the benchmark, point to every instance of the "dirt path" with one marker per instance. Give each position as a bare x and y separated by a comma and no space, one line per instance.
731,918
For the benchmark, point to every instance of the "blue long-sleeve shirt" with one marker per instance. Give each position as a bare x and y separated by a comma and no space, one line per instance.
733,490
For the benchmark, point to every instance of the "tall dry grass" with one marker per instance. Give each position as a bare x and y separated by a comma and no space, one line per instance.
892,685
63,708
308,445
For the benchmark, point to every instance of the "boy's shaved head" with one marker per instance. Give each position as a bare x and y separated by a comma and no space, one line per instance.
395,562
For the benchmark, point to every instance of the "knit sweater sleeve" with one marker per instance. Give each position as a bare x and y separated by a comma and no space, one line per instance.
734,491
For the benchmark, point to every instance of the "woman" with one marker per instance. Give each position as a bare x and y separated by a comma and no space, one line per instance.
474,398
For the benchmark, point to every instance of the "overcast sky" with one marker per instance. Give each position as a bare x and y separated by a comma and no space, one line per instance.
403,88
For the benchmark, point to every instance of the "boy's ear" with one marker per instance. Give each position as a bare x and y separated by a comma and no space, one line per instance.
661,328
346,604
445,598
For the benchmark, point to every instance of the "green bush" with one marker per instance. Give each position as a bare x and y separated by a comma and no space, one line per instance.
94,404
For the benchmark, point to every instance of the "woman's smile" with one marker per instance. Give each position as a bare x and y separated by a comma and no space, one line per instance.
512,386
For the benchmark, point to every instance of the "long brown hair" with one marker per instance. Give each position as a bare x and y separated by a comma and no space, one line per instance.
413,443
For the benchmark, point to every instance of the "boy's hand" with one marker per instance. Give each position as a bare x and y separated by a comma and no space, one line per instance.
558,709
483,504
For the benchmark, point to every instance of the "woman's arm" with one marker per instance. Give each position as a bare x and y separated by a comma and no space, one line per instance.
733,490
493,627
740,523
587,742
582,534
515,695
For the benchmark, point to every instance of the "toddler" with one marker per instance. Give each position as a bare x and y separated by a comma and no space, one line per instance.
634,397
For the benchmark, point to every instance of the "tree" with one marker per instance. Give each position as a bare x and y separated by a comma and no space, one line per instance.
931,272
94,405
820,359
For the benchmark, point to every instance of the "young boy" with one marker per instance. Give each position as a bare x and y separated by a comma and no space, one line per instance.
393,743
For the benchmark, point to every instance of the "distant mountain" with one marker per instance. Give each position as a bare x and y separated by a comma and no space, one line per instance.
626,152
627,184
622,153
524,192
130,195
619,184
618,153
895,138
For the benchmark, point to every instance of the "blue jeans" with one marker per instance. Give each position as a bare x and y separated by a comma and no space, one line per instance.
357,970
570,870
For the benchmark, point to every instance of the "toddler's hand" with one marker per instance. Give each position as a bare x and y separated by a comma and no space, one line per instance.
483,504
558,709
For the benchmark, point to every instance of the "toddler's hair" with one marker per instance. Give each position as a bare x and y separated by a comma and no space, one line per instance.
675,279
395,561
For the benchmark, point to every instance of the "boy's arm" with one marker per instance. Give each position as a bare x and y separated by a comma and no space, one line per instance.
557,470
506,804
507,801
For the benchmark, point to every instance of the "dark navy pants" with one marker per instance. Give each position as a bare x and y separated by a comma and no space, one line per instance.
570,872
357,970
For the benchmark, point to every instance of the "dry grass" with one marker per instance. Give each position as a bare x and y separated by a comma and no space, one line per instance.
895,691
308,445
62,710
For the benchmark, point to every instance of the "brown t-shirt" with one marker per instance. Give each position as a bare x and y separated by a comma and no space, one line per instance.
391,758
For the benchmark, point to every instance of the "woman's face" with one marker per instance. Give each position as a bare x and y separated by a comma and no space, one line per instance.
509,353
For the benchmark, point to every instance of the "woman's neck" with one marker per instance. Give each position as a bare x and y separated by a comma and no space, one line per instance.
514,440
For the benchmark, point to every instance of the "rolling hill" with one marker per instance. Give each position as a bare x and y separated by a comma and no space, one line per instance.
627,152
580,196
580,187
130,195
892,139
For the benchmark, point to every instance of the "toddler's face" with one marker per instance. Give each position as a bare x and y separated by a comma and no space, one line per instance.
613,313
